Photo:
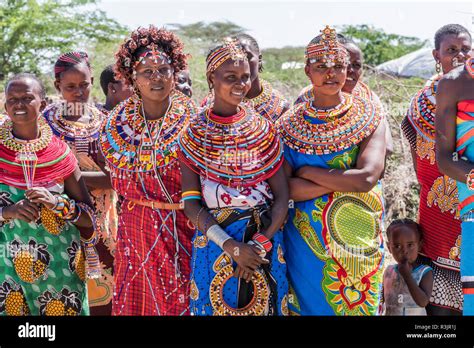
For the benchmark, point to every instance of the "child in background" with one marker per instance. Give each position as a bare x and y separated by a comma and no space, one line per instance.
407,285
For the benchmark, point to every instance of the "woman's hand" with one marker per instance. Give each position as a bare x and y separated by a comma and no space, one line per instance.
246,256
22,210
40,195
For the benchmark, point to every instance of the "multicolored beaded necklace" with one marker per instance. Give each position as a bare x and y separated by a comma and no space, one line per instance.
80,135
129,142
421,113
237,151
331,133
269,103
470,67
40,161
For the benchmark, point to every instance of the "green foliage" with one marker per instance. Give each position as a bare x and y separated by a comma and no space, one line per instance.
378,46
35,32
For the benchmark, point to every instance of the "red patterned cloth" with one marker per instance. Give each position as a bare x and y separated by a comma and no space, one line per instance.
438,215
146,279
153,251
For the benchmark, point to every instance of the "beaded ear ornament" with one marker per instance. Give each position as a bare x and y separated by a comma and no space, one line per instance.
231,49
329,50
470,67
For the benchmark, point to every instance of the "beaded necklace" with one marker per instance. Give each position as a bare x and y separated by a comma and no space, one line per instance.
237,151
470,67
269,103
421,113
127,145
328,134
41,161
80,135
10,142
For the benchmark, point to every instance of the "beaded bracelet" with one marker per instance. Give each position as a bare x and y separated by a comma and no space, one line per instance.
470,180
188,195
64,207
93,269
262,241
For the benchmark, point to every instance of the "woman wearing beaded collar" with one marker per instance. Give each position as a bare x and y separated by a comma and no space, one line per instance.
266,100
354,86
235,192
438,215
455,155
42,214
139,143
334,150
78,123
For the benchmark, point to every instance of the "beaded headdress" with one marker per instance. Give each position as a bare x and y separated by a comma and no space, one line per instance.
328,50
231,49
155,53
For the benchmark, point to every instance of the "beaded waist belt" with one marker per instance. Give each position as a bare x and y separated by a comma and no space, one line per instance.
154,204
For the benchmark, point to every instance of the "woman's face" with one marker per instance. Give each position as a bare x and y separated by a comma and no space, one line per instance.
231,83
253,57
75,84
326,80
354,69
154,78
453,49
23,102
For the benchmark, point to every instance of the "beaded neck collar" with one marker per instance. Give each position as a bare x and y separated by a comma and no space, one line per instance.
238,154
130,143
421,113
332,134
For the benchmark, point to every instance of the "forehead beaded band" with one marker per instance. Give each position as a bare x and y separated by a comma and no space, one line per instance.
328,50
231,49
155,53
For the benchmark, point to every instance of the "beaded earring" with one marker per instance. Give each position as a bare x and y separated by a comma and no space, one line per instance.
438,67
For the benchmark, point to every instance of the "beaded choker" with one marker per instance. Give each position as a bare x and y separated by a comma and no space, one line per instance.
130,142
421,113
237,153
75,133
329,133
39,162
470,67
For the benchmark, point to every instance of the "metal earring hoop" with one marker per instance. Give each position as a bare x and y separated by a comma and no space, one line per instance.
438,67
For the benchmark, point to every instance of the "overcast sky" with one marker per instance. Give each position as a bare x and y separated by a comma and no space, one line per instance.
281,23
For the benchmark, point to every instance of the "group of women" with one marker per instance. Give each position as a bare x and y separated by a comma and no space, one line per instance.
246,205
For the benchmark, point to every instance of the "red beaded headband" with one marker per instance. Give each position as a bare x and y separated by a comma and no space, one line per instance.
231,49
155,54
329,50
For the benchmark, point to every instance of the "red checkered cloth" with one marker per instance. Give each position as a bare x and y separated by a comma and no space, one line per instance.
149,278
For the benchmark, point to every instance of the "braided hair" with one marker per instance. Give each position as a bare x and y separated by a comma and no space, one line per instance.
69,60
132,47
410,222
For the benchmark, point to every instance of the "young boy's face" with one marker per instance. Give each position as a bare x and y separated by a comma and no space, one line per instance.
404,243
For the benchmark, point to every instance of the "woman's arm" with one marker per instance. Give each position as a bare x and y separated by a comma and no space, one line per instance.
449,162
75,188
279,186
99,179
245,255
301,190
362,178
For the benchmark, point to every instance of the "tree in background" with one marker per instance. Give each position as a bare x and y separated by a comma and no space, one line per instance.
35,32
211,32
379,47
